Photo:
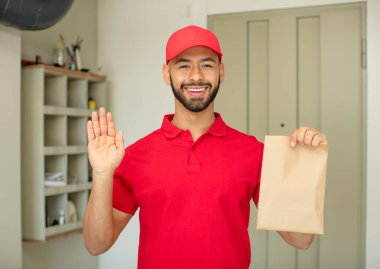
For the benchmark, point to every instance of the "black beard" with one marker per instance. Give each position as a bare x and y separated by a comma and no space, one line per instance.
195,104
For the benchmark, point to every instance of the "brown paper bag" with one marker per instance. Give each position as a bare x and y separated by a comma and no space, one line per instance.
292,187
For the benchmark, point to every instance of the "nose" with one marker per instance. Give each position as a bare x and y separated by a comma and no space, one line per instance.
196,74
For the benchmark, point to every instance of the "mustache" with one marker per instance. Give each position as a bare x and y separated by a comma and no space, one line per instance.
197,84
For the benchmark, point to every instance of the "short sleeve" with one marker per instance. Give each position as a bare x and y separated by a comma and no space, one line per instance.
258,165
123,197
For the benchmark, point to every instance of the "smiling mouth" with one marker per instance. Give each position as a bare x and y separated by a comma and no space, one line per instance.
195,89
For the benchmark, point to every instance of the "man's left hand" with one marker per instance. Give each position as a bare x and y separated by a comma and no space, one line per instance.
307,136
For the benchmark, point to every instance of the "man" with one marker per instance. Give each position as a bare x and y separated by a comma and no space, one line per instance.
192,179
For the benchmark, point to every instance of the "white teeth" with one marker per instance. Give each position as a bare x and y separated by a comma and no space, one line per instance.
195,90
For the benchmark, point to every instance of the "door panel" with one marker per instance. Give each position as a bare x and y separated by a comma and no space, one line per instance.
308,92
232,93
282,111
302,67
282,75
258,78
308,43
341,119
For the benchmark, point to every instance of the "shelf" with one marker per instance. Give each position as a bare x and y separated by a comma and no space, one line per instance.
59,71
54,140
55,237
49,191
58,229
65,150
67,111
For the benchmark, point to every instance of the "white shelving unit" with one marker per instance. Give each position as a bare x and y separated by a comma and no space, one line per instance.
54,117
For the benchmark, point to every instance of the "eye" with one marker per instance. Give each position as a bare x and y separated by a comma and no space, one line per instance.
184,66
207,66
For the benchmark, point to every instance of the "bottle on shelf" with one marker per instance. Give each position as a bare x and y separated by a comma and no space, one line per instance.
61,217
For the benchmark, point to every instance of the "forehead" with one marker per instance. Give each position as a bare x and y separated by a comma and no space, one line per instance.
197,52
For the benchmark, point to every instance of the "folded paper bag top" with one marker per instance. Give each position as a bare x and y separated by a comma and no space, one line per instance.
292,187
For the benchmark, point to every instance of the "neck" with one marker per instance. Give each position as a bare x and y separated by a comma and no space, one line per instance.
196,122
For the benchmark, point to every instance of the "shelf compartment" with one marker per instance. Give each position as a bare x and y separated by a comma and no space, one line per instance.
96,91
80,200
55,130
77,169
54,204
50,191
64,150
67,111
77,131
55,93
56,164
55,106
77,94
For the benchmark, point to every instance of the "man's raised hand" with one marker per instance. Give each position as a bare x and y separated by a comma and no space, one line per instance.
105,146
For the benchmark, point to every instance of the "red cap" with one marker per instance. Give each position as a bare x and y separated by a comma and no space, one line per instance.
191,36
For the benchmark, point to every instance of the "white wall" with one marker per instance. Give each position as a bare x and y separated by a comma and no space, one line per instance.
10,195
81,20
132,37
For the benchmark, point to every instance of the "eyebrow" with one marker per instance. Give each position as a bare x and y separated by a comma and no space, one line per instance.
208,59
186,60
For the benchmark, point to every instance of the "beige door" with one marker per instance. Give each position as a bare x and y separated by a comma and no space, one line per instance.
295,67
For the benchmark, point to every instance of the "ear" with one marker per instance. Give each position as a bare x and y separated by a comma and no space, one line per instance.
166,73
221,72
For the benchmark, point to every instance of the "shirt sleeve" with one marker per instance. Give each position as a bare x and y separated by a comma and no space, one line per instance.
258,164
123,197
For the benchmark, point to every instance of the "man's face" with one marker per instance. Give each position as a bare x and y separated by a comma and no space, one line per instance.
195,76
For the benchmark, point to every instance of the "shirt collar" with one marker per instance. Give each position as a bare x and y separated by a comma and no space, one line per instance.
218,128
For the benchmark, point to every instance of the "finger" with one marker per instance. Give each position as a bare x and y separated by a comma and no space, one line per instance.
103,121
90,131
95,123
111,125
317,139
119,140
301,135
293,139
309,135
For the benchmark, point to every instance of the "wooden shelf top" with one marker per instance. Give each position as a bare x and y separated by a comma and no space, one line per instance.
60,71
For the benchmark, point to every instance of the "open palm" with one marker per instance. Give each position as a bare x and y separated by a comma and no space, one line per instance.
105,146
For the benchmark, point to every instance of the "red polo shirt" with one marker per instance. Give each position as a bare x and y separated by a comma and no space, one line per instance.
193,196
